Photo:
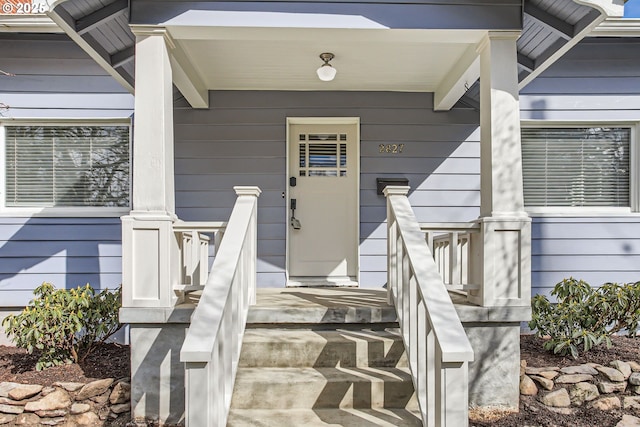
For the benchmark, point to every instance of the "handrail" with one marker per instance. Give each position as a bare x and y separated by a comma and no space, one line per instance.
438,348
211,348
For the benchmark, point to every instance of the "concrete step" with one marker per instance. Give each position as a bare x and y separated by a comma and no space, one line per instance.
321,306
305,388
300,347
347,417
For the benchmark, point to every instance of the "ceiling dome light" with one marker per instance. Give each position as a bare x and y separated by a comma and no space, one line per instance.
326,72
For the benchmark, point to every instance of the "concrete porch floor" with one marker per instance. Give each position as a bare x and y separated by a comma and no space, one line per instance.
359,305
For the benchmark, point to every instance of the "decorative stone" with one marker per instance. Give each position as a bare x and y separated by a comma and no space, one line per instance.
94,388
635,366
6,418
607,387
47,390
631,402
629,421
11,409
635,389
580,369
51,421
634,378
7,401
86,419
607,403
101,399
24,391
52,414
536,371
69,386
79,408
557,399
26,419
121,393
583,392
121,408
544,383
611,373
622,367
59,399
549,374
6,387
103,413
573,378
528,387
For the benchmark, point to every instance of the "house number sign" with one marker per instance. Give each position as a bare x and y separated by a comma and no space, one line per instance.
391,148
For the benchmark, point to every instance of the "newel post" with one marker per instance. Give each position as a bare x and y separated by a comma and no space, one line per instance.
502,258
252,238
391,192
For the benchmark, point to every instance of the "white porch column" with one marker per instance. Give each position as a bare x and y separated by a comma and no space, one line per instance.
503,260
149,245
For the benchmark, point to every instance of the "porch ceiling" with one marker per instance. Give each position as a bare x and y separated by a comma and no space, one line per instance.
401,62
376,60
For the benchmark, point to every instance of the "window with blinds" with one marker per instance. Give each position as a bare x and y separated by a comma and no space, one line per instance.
581,167
67,166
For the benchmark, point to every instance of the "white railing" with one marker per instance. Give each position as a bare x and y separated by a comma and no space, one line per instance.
193,245
451,246
436,343
211,349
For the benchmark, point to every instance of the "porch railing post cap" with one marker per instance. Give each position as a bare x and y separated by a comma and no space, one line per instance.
247,191
401,190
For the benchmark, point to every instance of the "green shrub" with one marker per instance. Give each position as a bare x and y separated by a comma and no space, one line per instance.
64,326
584,317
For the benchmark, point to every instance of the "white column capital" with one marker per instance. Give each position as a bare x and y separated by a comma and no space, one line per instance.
153,31
247,191
396,190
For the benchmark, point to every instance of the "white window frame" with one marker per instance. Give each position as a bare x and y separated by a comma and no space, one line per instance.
634,173
72,211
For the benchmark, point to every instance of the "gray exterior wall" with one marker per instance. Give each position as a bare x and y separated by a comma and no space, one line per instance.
599,81
241,140
55,79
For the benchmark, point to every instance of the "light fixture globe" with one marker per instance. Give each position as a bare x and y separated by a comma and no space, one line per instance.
326,72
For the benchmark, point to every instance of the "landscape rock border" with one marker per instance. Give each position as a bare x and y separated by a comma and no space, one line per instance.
605,388
64,404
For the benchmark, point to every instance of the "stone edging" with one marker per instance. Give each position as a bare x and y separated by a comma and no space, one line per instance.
64,404
602,387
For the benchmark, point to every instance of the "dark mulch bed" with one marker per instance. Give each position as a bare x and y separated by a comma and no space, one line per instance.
106,361
533,413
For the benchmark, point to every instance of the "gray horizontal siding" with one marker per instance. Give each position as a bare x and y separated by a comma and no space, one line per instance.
598,80
64,251
55,79
240,140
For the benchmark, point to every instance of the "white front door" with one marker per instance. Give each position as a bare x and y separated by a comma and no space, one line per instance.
323,181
